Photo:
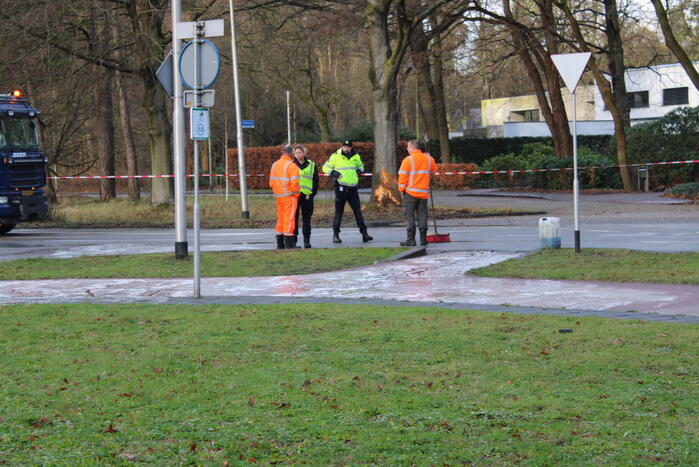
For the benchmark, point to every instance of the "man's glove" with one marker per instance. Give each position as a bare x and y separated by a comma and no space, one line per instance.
359,172
335,174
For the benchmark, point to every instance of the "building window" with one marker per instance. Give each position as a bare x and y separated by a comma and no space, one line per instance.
637,99
675,96
525,115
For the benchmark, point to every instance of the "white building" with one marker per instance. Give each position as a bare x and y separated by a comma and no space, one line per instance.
652,93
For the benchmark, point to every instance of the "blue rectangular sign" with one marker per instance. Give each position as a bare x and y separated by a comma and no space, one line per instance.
247,123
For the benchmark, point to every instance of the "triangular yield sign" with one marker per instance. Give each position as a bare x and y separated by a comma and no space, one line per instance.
571,67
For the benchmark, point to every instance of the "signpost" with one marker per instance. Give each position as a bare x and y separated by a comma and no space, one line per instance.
571,67
199,65
247,124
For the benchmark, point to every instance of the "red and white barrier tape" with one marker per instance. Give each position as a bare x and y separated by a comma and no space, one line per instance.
477,172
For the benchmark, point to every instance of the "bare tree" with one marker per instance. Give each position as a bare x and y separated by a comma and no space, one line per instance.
673,44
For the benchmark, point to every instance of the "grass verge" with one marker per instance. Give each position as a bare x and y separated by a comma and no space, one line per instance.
342,385
600,265
213,264
216,212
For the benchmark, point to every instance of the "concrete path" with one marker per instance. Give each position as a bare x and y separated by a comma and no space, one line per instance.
434,279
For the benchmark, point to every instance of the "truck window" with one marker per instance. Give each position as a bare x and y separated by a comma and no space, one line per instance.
18,133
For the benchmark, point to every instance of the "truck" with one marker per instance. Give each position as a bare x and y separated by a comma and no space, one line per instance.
22,163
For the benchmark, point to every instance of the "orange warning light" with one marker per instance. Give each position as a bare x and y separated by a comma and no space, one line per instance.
17,93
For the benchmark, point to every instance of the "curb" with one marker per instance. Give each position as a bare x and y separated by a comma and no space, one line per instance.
411,253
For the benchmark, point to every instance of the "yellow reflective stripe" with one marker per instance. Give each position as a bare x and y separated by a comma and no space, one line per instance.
419,190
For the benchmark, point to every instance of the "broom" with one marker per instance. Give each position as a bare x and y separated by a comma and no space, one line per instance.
437,237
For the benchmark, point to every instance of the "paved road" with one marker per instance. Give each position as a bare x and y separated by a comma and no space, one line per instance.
643,221
638,221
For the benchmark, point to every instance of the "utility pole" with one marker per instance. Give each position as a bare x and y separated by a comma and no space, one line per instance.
178,139
245,213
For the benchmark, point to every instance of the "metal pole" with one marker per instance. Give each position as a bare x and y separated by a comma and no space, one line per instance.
178,140
225,152
195,209
288,118
208,153
245,213
576,186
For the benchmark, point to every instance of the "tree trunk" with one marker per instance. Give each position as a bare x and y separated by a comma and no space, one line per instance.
673,45
424,90
608,96
103,113
549,96
440,101
147,22
384,65
127,132
616,60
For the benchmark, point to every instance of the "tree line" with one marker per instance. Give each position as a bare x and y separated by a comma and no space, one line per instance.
388,65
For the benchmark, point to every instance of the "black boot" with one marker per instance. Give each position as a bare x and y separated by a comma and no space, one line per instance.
306,241
280,242
423,237
365,236
336,236
289,243
296,240
410,239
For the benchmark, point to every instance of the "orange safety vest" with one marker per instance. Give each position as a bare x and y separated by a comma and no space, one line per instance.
284,177
414,174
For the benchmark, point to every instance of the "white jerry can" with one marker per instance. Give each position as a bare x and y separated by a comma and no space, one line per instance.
550,232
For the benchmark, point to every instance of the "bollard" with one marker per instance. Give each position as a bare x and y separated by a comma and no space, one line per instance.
643,179
550,232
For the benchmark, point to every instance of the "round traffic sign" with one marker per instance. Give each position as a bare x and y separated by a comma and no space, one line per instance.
209,64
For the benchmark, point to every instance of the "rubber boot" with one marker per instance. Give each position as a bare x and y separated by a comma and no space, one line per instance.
307,241
365,236
336,237
410,239
423,237
280,242
296,240
289,243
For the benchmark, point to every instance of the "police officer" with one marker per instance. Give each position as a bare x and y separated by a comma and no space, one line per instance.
345,166
308,184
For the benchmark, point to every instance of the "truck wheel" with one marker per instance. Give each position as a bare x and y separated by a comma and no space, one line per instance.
4,228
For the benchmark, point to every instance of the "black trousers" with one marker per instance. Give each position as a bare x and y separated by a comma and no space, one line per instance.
306,210
349,195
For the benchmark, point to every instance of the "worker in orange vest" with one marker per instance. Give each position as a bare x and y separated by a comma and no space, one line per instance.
414,176
284,182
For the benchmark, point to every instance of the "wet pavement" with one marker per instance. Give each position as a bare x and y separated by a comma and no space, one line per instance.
643,221
434,279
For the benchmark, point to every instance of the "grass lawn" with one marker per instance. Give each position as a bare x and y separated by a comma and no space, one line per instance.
600,265
342,385
213,264
216,212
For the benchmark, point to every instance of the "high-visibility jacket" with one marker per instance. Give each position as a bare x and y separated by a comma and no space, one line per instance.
284,177
347,166
306,180
415,173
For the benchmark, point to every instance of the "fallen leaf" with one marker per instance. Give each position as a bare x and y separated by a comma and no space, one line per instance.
193,447
617,341
111,429
251,401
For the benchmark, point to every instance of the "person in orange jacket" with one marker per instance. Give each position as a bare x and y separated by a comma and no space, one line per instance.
284,182
414,176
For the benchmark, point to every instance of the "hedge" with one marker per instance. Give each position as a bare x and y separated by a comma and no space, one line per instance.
477,150
259,160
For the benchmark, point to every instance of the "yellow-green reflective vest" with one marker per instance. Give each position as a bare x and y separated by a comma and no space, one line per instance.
346,166
306,178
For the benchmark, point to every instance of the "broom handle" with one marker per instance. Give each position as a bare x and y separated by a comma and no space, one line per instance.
434,217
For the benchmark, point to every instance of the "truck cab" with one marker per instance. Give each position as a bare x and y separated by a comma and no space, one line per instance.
22,163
